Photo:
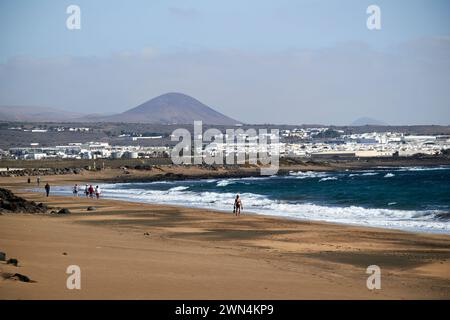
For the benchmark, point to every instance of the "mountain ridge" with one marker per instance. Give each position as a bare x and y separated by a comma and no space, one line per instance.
35,114
168,108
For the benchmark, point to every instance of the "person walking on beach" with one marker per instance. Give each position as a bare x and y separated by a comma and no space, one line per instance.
97,192
38,180
86,191
75,190
29,180
47,189
91,191
238,205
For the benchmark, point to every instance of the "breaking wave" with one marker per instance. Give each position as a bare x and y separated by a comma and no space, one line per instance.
307,174
328,179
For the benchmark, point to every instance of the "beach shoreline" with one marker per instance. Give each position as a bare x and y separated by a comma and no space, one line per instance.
129,250
165,184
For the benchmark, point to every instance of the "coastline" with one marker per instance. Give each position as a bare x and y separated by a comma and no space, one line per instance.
190,175
146,170
255,257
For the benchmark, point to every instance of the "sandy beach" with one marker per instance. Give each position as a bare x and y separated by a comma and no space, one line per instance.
141,251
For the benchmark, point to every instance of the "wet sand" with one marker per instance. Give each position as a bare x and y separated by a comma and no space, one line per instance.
142,251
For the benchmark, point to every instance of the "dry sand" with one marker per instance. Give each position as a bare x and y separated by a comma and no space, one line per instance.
202,254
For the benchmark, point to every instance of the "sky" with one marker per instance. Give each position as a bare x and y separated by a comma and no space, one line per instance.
285,61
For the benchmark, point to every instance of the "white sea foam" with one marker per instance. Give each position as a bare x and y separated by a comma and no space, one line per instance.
443,167
225,182
327,179
179,188
422,168
389,175
307,174
363,174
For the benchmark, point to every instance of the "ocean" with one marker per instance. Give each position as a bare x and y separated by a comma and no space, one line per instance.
412,198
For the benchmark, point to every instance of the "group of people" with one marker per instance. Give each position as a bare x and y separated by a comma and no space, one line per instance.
89,191
38,180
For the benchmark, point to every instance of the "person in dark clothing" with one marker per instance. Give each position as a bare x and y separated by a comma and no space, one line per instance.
47,189
237,205
75,190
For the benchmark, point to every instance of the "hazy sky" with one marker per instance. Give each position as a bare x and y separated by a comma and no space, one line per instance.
257,61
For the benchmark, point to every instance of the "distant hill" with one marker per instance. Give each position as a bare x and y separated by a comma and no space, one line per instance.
365,121
170,108
35,114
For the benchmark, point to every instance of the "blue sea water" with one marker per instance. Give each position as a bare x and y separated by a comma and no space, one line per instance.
414,199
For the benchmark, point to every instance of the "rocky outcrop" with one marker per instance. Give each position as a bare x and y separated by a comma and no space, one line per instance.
64,211
10,203
39,172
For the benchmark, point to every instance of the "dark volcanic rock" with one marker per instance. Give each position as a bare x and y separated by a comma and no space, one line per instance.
16,276
143,167
21,277
42,206
13,261
2,256
39,172
12,203
91,209
64,211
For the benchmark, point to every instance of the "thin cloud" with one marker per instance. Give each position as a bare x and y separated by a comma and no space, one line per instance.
332,85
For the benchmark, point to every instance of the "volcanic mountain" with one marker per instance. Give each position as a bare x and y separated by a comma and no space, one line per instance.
171,108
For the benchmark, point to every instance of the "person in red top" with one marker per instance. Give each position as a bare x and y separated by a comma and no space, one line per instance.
91,191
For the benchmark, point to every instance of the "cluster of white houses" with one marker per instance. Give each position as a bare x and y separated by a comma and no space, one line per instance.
90,150
51,129
375,144
384,144
306,133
